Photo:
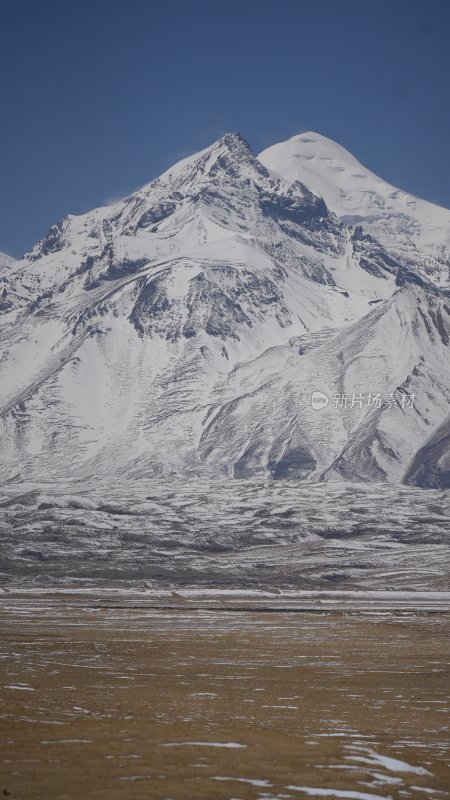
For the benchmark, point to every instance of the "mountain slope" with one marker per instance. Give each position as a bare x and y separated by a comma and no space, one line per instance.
6,261
430,467
7,298
267,425
163,334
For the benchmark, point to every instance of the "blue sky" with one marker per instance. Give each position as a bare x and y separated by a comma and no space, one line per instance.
99,97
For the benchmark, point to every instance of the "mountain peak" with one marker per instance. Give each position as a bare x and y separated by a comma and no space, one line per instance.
311,148
232,141
224,155
359,197
231,150
312,136
322,147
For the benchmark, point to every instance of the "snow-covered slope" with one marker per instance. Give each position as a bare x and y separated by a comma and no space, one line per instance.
6,261
162,333
416,232
386,378
8,299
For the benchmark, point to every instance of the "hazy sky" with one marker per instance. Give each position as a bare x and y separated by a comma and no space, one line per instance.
99,97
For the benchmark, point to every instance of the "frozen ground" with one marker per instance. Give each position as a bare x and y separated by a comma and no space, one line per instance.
165,535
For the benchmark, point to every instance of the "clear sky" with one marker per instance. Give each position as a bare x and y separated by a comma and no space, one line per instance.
99,97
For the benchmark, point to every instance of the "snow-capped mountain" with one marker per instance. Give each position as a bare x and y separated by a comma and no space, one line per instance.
185,327
415,233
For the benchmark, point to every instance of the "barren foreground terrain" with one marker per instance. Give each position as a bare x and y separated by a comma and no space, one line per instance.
119,702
